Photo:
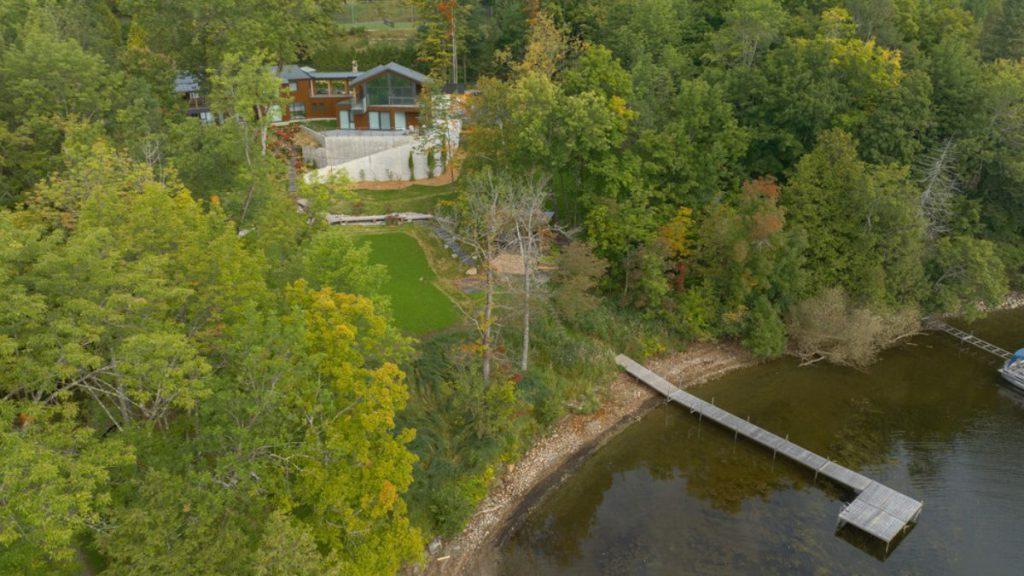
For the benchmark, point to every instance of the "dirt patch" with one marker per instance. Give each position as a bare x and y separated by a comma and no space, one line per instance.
508,264
554,457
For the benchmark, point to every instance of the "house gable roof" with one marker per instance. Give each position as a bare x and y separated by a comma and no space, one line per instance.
394,68
291,72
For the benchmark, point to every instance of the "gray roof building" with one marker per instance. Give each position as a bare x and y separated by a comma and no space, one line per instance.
393,67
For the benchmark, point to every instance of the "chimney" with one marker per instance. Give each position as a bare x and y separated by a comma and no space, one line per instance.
355,66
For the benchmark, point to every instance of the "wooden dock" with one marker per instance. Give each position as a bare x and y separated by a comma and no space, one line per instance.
877,510
972,340
1012,372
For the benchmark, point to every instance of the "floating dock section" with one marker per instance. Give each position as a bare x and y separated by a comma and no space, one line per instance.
877,510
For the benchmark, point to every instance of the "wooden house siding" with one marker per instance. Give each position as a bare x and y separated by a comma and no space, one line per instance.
329,107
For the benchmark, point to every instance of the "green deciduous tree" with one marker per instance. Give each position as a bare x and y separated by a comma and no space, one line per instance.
966,275
577,273
695,156
750,29
863,225
746,269
54,483
833,80
47,80
198,34
332,259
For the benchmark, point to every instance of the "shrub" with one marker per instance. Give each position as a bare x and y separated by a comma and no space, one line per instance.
765,331
575,278
544,392
431,163
830,327
463,429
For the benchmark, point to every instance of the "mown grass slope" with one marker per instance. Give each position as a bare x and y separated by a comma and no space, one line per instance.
418,305
415,198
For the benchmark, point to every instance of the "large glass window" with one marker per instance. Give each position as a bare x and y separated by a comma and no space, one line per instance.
339,87
345,121
380,120
322,88
390,90
297,110
400,121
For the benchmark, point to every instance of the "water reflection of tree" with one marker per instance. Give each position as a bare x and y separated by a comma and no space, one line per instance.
563,522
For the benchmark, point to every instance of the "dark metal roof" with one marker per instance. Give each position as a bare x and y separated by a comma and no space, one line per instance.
333,75
290,72
394,68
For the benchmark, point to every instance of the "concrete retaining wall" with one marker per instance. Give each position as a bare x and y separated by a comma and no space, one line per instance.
340,147
374,157
388,165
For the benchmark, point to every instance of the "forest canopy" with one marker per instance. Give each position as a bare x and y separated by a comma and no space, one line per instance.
196,373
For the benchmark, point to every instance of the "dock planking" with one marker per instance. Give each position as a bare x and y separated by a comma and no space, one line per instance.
877,510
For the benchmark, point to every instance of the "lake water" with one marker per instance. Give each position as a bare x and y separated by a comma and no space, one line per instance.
671,495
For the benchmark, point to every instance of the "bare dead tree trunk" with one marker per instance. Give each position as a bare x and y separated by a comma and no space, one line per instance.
527,207
524,363
487,339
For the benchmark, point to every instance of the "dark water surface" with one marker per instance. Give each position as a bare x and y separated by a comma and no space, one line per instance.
670,495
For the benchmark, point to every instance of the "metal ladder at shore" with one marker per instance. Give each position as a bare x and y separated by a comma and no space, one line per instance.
972,340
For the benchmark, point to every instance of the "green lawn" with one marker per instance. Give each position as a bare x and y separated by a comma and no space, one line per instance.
418,305
322,124
415,198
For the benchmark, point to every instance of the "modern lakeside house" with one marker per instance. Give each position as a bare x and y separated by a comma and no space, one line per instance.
382,98
377,114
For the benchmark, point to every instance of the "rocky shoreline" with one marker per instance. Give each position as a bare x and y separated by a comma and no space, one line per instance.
569,443
555,456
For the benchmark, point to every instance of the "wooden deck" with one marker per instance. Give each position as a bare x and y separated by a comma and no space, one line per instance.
878,510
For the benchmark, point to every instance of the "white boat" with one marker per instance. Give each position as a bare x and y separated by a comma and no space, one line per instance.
1013,372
